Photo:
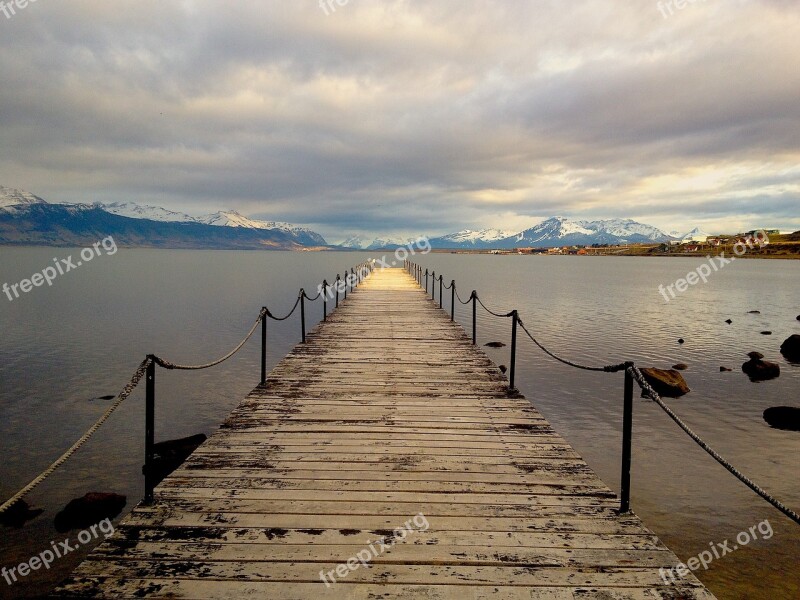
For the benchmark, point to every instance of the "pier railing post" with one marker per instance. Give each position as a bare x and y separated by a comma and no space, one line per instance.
513,366
474,298
346,280
263,345
324,299
426,282
337,290
441,287
303,313
149,430
433,286
627,441
453,300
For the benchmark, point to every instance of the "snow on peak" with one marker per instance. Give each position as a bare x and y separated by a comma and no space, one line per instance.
355,241
484,235
14,197
136,211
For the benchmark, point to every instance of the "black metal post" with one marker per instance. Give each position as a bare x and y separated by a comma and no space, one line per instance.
426,282
149,430
337,290
441,287
324,299
433,286
474,318
303,313
346,279
627,437
453,300
264,346
513,365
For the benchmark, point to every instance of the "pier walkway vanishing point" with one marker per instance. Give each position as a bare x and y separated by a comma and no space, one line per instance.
384,458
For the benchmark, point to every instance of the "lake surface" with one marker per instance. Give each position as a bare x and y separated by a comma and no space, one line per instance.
83,337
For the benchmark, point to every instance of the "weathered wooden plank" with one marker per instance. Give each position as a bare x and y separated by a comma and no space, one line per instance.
387,413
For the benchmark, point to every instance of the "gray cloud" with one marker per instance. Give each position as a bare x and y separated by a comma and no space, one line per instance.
406,117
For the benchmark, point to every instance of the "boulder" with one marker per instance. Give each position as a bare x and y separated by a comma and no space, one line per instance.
760,370
728,321
725,370
783,417
791,348
84,512
18,514
681,340
680,367
766,333
669,383
495,345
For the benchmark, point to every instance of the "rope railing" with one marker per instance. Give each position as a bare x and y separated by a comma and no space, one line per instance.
146,370
632,374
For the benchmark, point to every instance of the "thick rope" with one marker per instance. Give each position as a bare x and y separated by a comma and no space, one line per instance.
291,312
309,298
171,366
468,299
653,395
123,395
606,369
511,314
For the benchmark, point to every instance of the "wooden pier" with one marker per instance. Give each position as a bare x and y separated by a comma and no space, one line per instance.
387,435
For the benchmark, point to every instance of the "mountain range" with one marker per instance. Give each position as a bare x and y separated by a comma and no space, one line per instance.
28,219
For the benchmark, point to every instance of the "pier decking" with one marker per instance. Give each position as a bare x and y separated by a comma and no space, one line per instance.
387,414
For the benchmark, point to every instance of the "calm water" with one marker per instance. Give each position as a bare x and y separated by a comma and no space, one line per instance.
83,337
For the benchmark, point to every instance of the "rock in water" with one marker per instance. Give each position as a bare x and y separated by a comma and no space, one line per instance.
766,333
18,514
783,417
669,383
495,345
680,367
791,348
729,321
760,370
725,370
84,512
754,312
681,341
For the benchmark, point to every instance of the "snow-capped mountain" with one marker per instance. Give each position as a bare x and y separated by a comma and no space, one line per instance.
555,231
26,218
467,238
695,235
14,197
356,242
561,231
231,218
137,211
389,243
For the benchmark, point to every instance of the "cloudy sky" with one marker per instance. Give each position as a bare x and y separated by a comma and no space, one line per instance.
391,117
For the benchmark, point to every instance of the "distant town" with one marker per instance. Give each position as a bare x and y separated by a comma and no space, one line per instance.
757,243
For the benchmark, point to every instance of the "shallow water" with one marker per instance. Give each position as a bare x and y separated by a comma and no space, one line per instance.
84,336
